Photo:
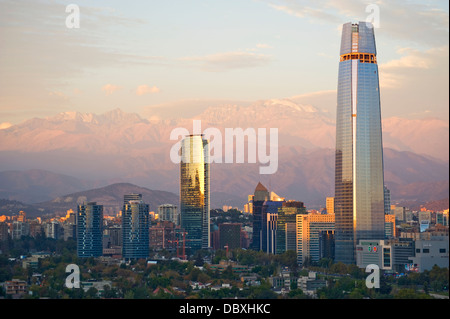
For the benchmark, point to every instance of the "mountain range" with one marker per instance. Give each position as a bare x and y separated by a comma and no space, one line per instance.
46,158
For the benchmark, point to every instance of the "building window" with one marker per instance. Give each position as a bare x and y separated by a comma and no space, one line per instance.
442,250
426,250
418,250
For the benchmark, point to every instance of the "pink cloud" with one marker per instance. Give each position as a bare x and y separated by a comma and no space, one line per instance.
110,89
145,89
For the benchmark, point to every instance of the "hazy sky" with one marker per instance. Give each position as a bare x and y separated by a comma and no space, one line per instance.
137,55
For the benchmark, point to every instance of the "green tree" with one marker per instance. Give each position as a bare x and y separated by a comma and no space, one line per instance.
92,293
409,293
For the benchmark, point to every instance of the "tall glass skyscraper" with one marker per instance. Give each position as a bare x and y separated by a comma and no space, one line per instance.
90,230
194,191
260,196
135,227
359,180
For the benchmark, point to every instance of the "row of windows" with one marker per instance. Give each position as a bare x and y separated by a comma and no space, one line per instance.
427,250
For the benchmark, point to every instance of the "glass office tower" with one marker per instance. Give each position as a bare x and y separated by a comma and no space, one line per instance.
135,228
194,191
90,230
260,196
286,234
359,195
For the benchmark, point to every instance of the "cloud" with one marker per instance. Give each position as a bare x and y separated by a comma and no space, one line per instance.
110,89
229,61
58,94
145,89
5,125
398,72
415,82
38,52
305,11
419,23
263,46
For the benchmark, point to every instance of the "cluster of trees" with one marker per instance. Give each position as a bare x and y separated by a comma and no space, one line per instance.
435,279
231,216
170,279
15,248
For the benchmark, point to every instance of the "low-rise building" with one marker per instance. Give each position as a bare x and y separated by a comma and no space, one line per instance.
309,284
413,253
223,265
16,287
431,252
99,285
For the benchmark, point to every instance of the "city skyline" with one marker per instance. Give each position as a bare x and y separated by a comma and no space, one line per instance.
95,94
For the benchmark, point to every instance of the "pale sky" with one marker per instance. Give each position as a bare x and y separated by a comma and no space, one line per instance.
137,55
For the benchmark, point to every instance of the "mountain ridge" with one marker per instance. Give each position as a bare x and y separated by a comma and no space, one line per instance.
117,146
298,124
110,196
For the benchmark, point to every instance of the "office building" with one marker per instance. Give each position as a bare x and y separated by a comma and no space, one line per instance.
19,229
286,231
430,252
404,254
402,214
260,196
309,284
162,236
329,205
402,250
269,225
229,236
374,252
90,230
442,218
359,180
69,231
270,232
194,192
248,208
310,228
135,229
326,244
129,197
169,212
387,200
112,236
390,230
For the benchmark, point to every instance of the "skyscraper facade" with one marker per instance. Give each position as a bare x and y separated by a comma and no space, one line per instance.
129,197
269,225
135,228
90,230
169,212
330,205
260,196
310,229
286,232
230,236
387,200
194,191
359,180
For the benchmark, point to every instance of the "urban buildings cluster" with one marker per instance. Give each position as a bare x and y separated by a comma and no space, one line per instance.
358,226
